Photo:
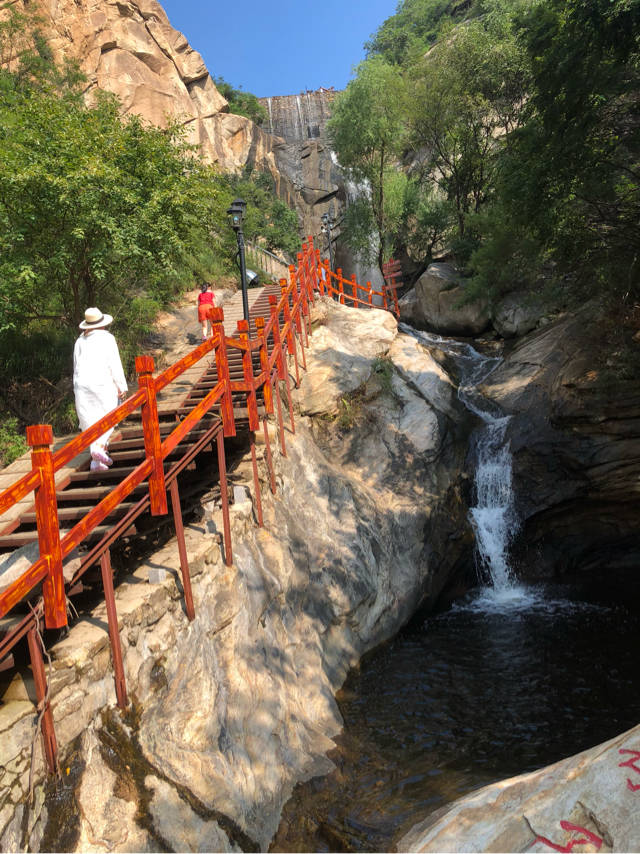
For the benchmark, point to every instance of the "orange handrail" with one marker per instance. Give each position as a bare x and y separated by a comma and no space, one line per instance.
288,322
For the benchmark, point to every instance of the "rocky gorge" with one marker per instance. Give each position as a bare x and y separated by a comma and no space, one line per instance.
234,709
371,516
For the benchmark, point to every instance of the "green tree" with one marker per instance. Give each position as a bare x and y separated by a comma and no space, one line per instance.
467,98
367,131
571,178
412,30
241,103
93,206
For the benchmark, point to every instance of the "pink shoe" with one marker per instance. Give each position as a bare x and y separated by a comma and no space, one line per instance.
102,457
96,465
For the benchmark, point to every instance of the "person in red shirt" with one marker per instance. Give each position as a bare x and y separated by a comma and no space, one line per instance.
206,302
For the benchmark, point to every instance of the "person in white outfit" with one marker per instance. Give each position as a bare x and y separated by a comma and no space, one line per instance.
98,380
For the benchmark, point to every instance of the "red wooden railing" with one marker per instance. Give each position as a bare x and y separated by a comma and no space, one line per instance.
350,292
282,335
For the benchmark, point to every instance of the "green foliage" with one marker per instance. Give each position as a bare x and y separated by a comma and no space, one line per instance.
12,441
412,30
383,370
267,218
241,103
467,101
570,180
426,220
367,131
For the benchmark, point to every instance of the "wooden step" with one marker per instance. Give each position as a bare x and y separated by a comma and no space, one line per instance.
94,493
72,514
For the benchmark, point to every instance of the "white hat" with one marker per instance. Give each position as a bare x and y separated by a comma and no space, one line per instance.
95,319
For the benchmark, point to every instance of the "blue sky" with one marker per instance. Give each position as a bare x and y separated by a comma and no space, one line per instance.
280,47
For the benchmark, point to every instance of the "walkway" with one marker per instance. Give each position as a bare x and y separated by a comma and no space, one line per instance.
169,401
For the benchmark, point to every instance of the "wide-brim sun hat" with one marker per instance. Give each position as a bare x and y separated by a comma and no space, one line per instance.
95,319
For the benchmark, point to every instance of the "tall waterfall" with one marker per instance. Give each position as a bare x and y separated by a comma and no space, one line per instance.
365,270
493,515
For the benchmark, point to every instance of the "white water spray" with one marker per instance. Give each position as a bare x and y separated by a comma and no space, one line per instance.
493,516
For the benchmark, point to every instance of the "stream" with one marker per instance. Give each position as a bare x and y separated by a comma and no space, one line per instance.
509,679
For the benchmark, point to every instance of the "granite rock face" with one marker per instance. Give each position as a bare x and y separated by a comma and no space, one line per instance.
129,47
435,304
575,438
304,155
585,803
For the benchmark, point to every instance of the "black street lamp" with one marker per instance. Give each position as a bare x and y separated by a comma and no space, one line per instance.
236,215
328,223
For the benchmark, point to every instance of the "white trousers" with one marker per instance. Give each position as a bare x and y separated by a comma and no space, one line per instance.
92,404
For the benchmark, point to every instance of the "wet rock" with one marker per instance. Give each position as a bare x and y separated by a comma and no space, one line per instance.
584,801
107,821
575,437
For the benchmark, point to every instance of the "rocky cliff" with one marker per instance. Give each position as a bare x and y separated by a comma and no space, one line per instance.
233,709
575,437
129,47
305,157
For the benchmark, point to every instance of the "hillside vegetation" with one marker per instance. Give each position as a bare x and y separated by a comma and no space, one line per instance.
504,133
97,209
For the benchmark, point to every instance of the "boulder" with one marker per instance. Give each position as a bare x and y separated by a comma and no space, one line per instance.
436,304
516,314
589,800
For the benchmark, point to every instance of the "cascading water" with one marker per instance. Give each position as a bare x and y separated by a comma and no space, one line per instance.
270,109
493,516
364,271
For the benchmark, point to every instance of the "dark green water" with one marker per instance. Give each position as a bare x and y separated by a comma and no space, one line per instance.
487,690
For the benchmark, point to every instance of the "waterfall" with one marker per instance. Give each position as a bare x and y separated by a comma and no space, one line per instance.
493,517
269,108
299,107
365,271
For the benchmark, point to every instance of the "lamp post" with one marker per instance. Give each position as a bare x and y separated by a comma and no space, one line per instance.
328,223
236,214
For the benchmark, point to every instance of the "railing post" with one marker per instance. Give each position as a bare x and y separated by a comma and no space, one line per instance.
114,631
298,312
182,549
224,496
44,706
370,293
152,440
385,304
222,368
264,365
247,368
340,285
269,458
319,278
291,340
40,438
277,341
354,291
286,311
296,290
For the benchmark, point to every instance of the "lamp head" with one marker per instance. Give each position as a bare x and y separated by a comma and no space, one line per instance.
236,213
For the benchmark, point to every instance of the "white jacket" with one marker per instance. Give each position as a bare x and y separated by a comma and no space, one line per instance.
98,377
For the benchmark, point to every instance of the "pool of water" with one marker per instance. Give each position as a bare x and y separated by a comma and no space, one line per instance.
493,687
